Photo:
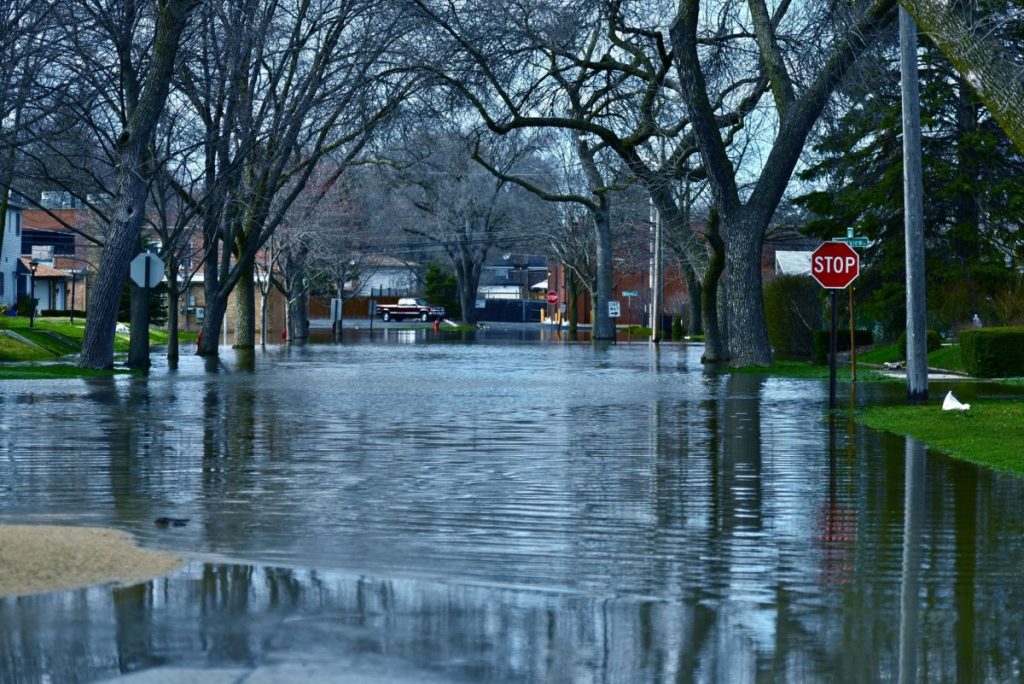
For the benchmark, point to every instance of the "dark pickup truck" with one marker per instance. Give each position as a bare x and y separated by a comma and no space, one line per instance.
410,307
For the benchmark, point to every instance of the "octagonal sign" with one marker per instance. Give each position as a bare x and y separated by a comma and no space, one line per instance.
835,265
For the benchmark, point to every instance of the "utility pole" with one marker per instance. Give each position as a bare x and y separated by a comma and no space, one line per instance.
657,280
917,352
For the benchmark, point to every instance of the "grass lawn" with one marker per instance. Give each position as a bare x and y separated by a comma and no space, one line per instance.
51,372
57,337
809,371
946,358
990,434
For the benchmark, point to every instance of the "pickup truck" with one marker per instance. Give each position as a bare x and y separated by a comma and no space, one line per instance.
410,307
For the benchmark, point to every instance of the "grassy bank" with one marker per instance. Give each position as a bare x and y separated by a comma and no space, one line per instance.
989,434
946,358
805,370
51,339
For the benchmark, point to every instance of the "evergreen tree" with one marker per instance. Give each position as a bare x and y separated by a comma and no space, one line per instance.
973,193
441,289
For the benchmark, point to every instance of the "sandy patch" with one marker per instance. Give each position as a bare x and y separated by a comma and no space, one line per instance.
38,558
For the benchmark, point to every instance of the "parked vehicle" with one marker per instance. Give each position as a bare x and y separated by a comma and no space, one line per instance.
410,307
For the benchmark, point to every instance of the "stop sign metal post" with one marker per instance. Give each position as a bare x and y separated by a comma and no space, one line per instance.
835,265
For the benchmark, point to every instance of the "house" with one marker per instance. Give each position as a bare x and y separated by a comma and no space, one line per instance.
513,276
11,252
377,273
45,283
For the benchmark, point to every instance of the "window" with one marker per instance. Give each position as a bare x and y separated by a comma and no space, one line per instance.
200,314
17,225
3,280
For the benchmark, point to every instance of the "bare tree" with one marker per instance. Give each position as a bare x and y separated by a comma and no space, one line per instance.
116,43
277,86
454,203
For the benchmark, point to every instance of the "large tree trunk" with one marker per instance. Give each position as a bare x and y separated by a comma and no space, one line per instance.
245,308
573,292
131,187
986,64
209,334
748,333
715,348
298,317
173,297
696,323
467,276
604,326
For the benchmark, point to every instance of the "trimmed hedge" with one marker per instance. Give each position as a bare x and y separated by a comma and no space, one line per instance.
792,306
862,338
933,341
62,312
677,328
993,352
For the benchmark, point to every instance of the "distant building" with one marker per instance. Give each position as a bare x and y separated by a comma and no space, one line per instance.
11,251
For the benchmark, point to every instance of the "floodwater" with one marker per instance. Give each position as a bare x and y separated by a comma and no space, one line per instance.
508,510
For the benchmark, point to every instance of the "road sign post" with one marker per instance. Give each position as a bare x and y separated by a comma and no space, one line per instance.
146,271
834,265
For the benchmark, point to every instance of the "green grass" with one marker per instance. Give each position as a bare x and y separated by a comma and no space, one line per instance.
806,370
990,433
53,346
879,354
51,372
635,331
947,358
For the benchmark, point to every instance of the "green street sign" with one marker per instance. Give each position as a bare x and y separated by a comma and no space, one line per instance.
860,242
630,293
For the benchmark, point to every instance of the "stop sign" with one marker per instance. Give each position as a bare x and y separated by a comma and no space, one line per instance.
552,297
835,265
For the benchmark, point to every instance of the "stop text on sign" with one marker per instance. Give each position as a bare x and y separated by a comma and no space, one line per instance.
838,265
835,265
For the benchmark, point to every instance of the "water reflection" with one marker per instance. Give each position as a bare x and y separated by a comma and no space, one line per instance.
512,512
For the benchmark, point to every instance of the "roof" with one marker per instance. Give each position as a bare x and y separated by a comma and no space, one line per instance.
792,263
42,270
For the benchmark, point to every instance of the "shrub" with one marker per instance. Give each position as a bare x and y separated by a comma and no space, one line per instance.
793,311
677,328
25,305
933,341
862,338
993,352
62,312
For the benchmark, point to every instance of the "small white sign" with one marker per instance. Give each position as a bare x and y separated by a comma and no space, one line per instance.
138,270
614,309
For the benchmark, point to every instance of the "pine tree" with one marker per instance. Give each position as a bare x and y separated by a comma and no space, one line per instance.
973,193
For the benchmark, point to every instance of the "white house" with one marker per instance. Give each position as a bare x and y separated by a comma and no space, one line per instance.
10,253
383,274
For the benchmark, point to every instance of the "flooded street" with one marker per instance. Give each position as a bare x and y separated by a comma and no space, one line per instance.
506,510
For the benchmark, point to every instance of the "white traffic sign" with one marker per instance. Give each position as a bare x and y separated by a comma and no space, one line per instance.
147,270
614,309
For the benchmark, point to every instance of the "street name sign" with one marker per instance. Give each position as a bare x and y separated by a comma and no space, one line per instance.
859,242
630,293
835,265
147,270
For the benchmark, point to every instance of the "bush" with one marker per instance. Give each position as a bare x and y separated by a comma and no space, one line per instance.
25,305
862,338
62,313
993,352
677,328
933,341
793,311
